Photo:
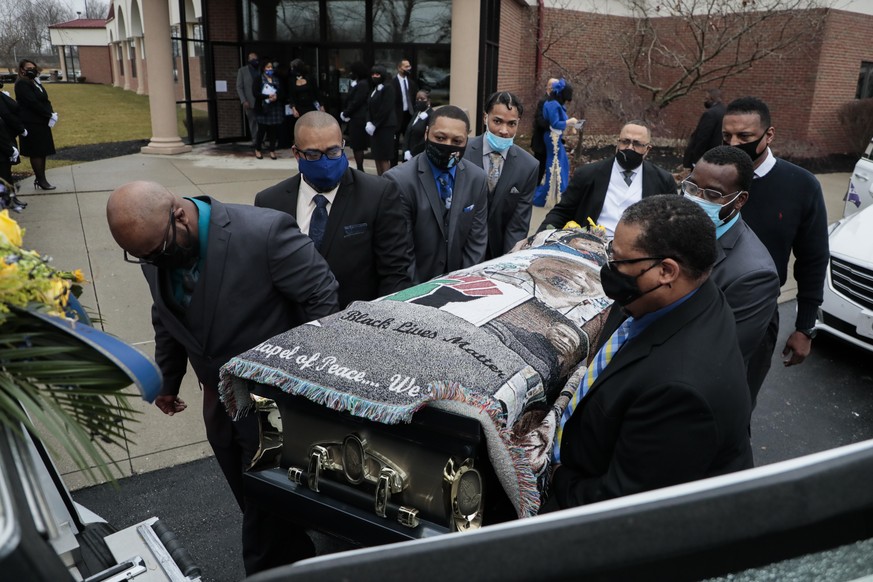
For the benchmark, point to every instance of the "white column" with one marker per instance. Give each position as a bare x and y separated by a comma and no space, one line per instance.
465,57
125,63
162,96
113,59
141,77
63,63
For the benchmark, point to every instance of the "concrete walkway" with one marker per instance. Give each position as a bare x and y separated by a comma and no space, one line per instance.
69,224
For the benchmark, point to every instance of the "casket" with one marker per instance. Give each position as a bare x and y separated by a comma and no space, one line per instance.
430,410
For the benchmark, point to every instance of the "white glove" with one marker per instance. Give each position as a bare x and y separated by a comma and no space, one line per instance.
345,118
53,120
370,128
407,155
14,157
24,134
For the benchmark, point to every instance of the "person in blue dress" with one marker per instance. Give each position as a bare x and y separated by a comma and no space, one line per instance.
557,165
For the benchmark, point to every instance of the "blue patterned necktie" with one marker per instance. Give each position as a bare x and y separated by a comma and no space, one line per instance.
318,223
446,183
601,360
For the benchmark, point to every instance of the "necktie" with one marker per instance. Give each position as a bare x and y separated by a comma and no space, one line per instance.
405,94
628,177
601,360
494,172
318,223
445,181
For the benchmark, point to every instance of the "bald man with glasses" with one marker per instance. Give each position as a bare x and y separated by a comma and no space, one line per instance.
603,190
223,278
354,218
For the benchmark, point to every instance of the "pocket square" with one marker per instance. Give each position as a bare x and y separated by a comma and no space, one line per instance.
469,208
514,190
353,229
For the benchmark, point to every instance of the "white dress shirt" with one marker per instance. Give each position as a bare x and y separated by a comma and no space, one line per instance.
306,204
619,196
766,165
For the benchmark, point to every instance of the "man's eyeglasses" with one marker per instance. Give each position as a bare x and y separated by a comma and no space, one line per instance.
334,153
693,189
612,261
637,145
166,247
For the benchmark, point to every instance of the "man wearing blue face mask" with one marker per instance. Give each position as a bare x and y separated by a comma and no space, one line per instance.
511,172
354,219
743,270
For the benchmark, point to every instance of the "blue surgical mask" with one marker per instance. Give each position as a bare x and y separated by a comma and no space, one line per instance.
269,72
323,174
713,211
497,143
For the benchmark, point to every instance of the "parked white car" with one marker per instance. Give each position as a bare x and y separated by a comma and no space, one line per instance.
847,310
859,194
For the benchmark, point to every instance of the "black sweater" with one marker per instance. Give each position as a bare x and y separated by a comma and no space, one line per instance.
786,210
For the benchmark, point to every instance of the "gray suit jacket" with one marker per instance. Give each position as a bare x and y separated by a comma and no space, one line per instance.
510,205
438,246
261,277
746,275
244,82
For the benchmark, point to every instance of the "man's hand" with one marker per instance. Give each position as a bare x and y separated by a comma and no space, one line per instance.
170,404
246,105
797,348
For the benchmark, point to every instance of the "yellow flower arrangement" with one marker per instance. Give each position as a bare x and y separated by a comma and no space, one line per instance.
27,280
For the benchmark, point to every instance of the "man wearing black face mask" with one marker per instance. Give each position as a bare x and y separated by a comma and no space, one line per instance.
444,199
602,190
247,77
707,134
786,210
665,399
223,278
360,231
743,271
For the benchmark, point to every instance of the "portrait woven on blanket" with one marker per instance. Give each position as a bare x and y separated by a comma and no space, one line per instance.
504,342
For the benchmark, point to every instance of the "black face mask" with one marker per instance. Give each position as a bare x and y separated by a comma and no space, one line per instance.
254,63
421,106
622,288
443,155
751,147
31,73
376,81
179,257
629,159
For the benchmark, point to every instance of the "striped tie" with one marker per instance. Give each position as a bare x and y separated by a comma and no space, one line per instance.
601,360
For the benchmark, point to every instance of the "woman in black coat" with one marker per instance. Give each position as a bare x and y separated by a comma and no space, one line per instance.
355,113
36,114
381,118
10,128
414,139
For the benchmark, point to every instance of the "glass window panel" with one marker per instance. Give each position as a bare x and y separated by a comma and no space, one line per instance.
412,21
347,20
432,72
296,20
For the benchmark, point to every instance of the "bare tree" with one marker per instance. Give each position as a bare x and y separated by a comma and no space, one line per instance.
96,9
682,45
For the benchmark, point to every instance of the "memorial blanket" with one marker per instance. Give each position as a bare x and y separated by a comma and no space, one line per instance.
497,342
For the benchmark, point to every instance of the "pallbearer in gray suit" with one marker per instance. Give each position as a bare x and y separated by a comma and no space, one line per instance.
444,199
511,173
223,278
743,269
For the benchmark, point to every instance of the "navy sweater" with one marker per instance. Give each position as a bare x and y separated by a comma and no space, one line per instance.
786,210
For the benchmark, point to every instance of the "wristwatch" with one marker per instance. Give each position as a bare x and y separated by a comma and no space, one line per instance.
810,333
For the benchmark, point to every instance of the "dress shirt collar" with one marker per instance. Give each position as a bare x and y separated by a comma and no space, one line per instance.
766,165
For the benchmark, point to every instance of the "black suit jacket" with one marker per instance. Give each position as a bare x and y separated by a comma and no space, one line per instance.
412,89
510,205
586,192
380,107
413,142
261,277
671,407
540,127
33,101
365,241
706,135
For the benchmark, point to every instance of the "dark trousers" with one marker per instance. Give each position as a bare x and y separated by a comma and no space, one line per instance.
268,131
762,358
267,539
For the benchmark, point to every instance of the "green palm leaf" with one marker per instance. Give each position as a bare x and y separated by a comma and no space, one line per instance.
52,380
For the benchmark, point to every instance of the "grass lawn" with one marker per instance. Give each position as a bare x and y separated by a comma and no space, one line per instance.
91,114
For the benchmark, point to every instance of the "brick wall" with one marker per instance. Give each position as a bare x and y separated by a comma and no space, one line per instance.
95,64
517,64
804,86
222,25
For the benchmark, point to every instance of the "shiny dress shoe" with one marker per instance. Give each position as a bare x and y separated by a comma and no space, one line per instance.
16,201
44,186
